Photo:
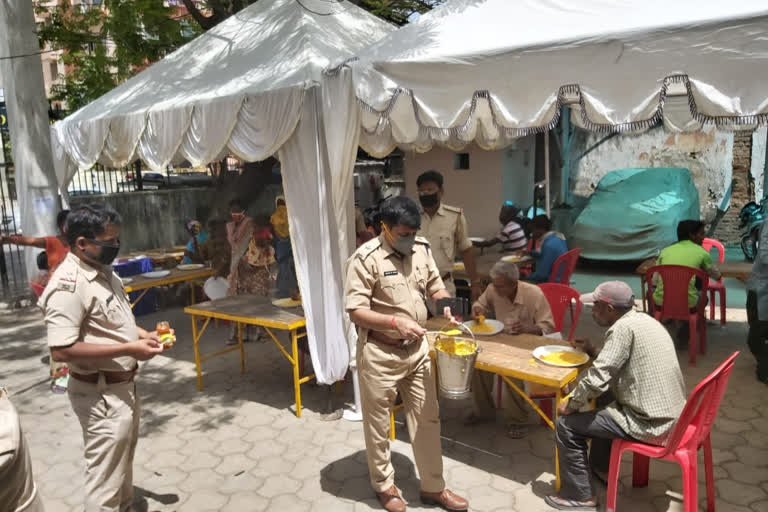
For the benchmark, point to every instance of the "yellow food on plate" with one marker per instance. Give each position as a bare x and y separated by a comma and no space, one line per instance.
456,347
483,327
452,332
480,319
565,357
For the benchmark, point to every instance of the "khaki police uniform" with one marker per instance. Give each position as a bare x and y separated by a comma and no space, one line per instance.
381,280
84,304
446,232
18,492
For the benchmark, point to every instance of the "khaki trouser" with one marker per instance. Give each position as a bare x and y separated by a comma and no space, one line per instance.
384,370
515,408
109,417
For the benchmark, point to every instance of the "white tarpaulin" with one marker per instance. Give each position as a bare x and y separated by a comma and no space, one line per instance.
493,70
250,87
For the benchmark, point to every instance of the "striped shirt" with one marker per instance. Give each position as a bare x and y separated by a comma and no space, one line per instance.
512,237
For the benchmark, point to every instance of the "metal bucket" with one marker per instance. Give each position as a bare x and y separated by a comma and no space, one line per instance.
455,371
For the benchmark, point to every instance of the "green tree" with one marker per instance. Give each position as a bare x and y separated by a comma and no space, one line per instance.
105,43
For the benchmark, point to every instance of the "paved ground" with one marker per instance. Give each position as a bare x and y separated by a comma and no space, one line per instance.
238,447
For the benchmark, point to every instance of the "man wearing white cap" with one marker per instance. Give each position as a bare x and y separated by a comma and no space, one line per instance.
638,363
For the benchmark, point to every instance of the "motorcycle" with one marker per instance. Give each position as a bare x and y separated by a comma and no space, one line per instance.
751,217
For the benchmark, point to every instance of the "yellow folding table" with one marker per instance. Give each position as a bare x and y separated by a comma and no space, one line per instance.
175,276
510,356
251,310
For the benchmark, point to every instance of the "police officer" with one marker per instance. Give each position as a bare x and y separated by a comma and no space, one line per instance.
18,492
388,280
445,227
91,327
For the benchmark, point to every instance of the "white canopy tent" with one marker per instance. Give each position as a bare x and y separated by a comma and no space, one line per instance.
252,87
492,70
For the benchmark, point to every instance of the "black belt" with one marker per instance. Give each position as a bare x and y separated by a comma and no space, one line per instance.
383,338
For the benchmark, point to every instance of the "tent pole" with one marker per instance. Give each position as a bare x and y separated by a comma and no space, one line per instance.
546,172
565,148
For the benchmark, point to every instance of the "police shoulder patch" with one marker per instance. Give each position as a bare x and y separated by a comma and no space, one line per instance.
452,209
368,248
422,240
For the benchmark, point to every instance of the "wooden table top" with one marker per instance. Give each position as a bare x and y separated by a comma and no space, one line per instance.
252,310
139,282
512,355
736,269
484,262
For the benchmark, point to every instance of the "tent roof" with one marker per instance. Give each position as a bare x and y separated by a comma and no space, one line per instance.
271,50
492,70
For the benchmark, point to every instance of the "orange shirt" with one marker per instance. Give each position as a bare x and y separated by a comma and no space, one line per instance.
56,251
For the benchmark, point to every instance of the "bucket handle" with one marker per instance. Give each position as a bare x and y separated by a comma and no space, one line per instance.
460,327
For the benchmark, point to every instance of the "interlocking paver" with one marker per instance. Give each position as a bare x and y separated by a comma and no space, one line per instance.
237,446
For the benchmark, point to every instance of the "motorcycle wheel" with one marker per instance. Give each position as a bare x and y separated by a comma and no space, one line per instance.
749,245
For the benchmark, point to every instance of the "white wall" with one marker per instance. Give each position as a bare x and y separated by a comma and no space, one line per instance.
708,154
519,171
478,190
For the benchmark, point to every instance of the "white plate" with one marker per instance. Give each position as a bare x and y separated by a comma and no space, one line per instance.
216,288
476,239
156,274
127,280
548,349
512,258
190,266
139,257
286,303
497,327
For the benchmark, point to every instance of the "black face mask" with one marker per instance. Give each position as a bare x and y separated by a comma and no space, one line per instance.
429,200
108,252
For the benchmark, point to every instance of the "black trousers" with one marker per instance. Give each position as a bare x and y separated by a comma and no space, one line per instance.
571,434
757,339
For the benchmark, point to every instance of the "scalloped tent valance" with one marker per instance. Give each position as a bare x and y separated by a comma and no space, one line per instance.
490,71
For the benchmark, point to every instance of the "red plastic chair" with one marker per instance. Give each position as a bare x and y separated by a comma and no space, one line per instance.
690,433
37,288
676,279
563,299
567,262
716,287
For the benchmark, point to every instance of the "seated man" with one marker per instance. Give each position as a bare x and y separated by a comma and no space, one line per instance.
687,252
551,246
512,236
639,364
523,309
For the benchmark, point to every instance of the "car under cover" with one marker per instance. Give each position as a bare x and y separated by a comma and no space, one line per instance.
634,213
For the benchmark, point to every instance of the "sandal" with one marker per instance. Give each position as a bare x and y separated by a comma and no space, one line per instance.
517,431
565,504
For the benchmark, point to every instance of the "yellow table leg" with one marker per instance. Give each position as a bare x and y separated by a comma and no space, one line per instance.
141,296
195,344
242,349
296,377
558,398
191,293
392,425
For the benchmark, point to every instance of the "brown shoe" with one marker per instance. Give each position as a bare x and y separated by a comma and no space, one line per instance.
446,499
391,500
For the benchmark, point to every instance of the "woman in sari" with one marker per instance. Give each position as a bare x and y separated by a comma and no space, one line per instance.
249,267
287,285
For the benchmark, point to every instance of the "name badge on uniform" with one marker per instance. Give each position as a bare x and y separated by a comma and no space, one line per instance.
65,285
390,273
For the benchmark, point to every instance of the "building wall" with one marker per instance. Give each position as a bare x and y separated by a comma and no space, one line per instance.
707,154
478,190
